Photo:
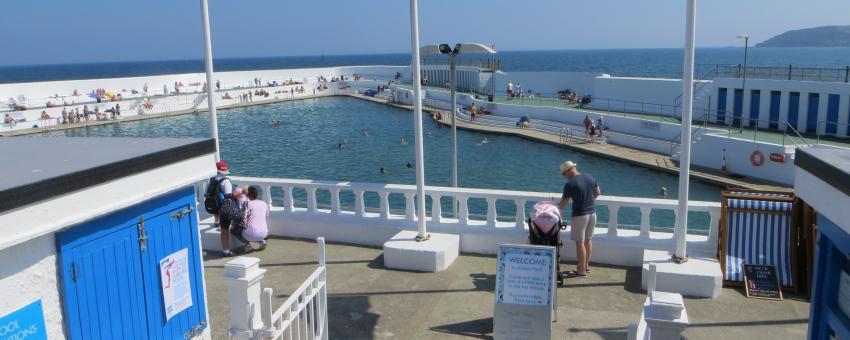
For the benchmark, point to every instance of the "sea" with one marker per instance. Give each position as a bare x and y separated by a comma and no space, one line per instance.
658,62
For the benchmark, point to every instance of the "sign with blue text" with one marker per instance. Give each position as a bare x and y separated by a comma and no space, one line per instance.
176,288
525,292
25,323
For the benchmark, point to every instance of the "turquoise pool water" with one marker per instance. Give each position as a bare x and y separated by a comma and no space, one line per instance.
305,146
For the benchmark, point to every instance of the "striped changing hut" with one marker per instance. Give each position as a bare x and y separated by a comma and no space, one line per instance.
758,228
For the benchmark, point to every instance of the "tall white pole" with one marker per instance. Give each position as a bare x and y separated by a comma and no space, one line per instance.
417,118
681,230
453,84
205,16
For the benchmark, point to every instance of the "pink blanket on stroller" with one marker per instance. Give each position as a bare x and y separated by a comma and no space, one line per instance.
546,215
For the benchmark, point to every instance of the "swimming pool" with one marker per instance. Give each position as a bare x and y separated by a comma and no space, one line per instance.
306,145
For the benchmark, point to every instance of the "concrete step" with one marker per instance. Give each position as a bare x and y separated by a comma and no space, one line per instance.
211,237
403,252
700,276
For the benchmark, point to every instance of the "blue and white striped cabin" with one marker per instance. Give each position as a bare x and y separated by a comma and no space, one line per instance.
758,232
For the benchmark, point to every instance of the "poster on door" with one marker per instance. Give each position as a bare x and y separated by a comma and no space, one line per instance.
176,290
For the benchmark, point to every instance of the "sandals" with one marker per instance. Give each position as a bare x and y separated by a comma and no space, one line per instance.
574,273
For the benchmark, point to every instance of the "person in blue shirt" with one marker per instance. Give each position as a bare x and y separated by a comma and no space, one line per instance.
582,190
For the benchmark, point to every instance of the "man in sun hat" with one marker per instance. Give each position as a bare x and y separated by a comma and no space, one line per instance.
583,190
220,188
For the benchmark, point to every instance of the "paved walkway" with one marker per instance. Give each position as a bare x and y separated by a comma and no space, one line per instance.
639,157
367,301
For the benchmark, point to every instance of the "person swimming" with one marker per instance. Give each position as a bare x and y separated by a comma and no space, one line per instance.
663,192
409,165
339,145
383,171
485,140
365,133
402,141
275,122
429,134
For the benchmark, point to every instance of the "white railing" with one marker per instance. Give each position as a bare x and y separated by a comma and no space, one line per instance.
304,315
372,214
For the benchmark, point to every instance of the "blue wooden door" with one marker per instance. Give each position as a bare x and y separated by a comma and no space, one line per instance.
111,277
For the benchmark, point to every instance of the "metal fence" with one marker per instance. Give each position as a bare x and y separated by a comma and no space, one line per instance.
839,75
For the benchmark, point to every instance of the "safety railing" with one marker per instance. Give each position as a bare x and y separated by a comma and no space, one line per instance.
490,64
839,75
794,137
304,314
377,212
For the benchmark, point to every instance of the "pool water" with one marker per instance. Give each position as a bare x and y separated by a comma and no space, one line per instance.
306,145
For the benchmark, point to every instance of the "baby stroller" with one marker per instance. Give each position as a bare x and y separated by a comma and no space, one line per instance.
544,228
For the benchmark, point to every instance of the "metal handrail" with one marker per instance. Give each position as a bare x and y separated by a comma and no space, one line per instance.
791,138
698,85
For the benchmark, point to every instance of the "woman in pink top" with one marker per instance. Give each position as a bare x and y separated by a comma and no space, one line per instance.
256,229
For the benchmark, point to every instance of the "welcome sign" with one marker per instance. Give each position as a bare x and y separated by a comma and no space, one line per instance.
525,292
25,323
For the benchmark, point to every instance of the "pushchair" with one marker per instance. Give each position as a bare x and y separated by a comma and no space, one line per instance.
544,228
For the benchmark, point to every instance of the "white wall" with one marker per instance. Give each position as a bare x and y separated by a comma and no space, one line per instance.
548,83
28,273
626,94
709,153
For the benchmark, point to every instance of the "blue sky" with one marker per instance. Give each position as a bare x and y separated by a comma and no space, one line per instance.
61,31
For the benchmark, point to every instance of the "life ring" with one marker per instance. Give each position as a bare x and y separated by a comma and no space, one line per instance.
757,158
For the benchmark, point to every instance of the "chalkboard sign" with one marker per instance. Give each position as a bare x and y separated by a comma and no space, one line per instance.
762,282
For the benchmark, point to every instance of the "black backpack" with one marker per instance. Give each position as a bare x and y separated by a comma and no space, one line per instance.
213,196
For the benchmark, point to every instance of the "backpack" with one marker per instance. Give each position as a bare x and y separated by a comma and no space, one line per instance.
234,211
213,196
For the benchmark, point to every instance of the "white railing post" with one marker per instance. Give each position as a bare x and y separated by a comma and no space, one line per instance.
436,208
335,201
463,214
385,204
491,212
713,227
311,199
613,223
520,214
408,206
288,200
359,209
266,310
644,222
267,195
243,277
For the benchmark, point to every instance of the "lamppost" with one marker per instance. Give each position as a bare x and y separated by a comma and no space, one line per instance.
452,54
746,38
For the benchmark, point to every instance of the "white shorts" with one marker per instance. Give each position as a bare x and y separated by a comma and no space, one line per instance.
582,227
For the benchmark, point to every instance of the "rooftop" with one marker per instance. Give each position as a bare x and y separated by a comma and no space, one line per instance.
368,301
52,166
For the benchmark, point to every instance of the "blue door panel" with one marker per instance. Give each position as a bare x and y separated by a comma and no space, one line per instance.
812,114
793,109
721,105
737,106
755,103
832,114
113,287
775,97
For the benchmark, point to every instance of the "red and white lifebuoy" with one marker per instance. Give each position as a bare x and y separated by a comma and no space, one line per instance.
757,158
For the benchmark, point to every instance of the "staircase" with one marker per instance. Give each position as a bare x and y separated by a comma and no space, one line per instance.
701,89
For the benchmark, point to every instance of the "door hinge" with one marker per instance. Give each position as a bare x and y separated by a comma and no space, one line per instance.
180,214
75,271
195,331
143,236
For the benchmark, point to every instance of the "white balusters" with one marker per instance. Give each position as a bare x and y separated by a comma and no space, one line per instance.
520,214
491,212
359,210
288,200
713,226
644,222
311,199
267,195
613,224
463,209
409,213
436,208
335,201
385,204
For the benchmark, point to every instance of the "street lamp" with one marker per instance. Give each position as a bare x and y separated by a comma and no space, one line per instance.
452,53
746,38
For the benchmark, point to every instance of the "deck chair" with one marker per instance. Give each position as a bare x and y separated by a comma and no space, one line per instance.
758,228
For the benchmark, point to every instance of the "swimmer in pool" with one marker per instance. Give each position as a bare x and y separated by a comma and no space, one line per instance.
382,171
409,165
275,122
402,141
429,134
365,133
663,191
485,141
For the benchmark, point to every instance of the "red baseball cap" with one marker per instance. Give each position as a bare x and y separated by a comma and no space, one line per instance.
221,166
